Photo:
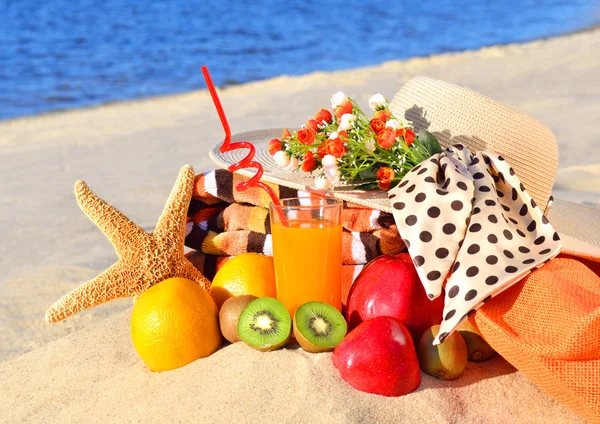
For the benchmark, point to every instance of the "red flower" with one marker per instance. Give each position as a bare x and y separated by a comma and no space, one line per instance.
274,146
377,125
386,174
387,138
343,135
385,177
306,136
407,134
345,107
335,147
321,151
384,115
313,125
323,115
308,164
286,134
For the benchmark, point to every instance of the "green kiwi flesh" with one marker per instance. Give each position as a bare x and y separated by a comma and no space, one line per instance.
446,361
229,316
319,327
265,324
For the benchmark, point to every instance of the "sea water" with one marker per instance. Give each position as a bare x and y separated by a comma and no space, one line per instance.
57,54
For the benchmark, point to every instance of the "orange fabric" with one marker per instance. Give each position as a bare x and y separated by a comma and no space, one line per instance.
548,326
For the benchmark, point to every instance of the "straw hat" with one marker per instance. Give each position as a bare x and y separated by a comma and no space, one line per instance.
458,115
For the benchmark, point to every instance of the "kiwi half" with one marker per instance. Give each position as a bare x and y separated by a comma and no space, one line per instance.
265,324
319,327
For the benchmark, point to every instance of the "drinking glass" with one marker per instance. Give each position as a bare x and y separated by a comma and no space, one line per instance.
307,251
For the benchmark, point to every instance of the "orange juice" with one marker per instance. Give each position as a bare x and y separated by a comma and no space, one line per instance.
308,262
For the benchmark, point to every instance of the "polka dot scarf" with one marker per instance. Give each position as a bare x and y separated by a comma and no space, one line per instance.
471,228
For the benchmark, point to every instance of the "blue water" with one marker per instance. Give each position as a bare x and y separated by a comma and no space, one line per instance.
57,54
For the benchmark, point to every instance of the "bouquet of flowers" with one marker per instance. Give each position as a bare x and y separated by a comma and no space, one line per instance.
348,147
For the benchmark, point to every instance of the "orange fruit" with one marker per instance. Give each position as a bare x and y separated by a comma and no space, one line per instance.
174,323
247,273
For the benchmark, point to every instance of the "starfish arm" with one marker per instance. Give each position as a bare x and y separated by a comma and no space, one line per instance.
119,230
115,282
171,224
192,273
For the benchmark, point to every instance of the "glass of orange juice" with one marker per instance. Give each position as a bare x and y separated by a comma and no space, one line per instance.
307,251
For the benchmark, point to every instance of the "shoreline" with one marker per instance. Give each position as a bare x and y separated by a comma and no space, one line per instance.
130,152
589,28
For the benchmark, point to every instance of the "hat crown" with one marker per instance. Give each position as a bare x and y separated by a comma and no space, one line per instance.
458,115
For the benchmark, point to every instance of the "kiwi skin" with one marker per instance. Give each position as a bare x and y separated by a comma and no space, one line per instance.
446,361
268,347
229,316
306,344
478,349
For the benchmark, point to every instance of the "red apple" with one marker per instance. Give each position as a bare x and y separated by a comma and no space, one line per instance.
389,286
379,357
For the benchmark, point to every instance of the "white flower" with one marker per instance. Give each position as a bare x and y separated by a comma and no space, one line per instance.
332,173
281,158
329,160
377,101
347,121
338,99
293,165
331,170
333,135
322,183
370,145
393,123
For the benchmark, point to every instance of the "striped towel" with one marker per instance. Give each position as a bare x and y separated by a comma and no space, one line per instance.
225,222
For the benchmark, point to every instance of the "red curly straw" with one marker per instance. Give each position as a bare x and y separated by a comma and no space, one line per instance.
227,146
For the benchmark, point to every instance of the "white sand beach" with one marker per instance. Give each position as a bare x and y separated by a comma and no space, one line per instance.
130,153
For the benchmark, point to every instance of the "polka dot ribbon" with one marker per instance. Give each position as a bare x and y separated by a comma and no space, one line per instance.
471,228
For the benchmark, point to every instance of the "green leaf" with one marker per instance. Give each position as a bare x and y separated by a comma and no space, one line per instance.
429,141
367,186
367,174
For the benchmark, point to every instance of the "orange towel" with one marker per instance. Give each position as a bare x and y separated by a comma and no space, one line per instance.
548,327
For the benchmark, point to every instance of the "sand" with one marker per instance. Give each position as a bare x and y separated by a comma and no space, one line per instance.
130,154
96,376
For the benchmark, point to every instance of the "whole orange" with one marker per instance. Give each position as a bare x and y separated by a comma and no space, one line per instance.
247,273
174,323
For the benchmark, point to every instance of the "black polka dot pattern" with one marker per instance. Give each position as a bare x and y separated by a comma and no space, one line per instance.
441,253
433,212
420,197
474,229
473,249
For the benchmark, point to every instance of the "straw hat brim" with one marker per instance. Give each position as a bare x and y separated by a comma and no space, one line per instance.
577,224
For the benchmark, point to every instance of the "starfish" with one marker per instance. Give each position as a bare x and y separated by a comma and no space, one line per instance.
144,258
